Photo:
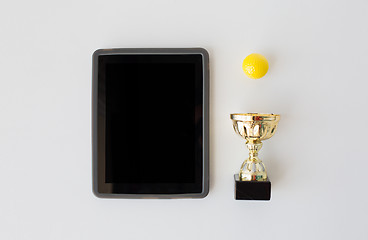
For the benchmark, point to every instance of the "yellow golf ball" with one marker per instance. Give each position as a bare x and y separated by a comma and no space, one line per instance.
255,65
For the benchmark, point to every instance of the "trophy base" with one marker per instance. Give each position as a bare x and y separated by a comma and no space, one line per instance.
252,190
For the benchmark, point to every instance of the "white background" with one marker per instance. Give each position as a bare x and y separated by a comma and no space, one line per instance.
317,81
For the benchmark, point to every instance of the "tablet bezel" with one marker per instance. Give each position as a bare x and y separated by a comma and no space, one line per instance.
98,138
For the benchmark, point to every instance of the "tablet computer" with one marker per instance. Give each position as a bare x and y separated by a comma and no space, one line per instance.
150,123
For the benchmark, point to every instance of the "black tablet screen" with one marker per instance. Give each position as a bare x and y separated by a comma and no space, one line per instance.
152,109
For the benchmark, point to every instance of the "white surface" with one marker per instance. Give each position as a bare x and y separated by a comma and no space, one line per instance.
317,81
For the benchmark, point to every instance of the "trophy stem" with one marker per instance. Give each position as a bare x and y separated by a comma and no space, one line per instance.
253,168
254,147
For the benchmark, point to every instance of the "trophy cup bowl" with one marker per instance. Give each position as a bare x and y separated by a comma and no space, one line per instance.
254,128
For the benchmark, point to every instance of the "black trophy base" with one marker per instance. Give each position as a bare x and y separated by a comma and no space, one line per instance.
252,190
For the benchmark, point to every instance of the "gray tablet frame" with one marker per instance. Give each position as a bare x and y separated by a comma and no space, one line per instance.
95,130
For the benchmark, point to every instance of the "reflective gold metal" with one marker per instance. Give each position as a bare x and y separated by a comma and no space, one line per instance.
254,127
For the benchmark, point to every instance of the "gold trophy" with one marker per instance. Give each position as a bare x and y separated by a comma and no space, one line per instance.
252,182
